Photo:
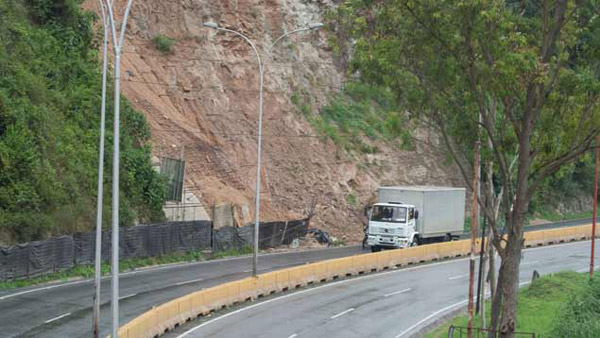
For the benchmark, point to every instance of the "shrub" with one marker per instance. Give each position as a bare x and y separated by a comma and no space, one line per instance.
361,111
163,43
579,316
49,127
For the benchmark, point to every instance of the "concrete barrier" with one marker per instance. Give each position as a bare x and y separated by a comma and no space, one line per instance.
167,316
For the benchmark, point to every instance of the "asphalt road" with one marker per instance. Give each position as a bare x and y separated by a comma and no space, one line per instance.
394,304
65,310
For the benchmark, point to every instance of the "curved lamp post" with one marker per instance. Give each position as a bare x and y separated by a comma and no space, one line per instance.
261,69
100,192
118,41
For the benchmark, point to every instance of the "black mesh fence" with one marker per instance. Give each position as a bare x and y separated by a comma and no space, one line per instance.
271,235
64,252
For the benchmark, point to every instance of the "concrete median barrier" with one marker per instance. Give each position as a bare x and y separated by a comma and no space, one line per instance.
169,315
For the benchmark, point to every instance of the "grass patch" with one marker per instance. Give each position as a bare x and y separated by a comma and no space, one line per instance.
87,271
232,252
557,217
163,43
352,200
358,114
538,305
339,242
579,316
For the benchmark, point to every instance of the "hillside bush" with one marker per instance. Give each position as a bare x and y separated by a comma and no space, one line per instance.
50,81
163,43
360,113
579,316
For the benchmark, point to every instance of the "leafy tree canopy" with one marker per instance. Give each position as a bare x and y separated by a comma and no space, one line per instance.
521,76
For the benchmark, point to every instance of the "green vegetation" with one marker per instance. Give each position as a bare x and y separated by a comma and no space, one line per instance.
50,80
482,71
87,271
567,187
163,43
352,199
557,217
360,112
232,252
579,316
339,242
540,303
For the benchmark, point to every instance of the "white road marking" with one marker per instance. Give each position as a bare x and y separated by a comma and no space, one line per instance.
587,269
172,266
40,289
285,296
168,266
342,313
293,336
190,281
246,271
442,311
57,318
352,280
431,316
128,296
397,292
458,277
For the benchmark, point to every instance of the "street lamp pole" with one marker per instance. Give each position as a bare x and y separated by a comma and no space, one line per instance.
98,259
117,46
261,68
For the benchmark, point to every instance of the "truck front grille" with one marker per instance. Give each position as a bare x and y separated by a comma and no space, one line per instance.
390,231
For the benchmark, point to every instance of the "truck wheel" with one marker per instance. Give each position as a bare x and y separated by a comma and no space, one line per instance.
375,248
415,241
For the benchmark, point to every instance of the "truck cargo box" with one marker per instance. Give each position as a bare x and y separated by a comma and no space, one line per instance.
441,209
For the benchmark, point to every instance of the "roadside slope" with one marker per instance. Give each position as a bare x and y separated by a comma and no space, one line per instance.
201,100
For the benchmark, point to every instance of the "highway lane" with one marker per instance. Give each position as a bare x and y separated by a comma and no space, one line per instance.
392,304
65,309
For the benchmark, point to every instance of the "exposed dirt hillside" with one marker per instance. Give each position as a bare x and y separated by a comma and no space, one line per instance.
202,100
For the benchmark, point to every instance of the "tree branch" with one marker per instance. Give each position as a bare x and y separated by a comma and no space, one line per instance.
552,166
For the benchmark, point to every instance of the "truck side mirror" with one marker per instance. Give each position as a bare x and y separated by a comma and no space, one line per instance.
369,212
416,214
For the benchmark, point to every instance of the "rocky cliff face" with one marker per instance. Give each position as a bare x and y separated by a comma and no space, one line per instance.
201,101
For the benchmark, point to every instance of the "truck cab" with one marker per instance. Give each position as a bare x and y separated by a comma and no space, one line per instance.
392,225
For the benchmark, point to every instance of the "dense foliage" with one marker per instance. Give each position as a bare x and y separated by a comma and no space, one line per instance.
579,316
163,43
566,193
357,116
50,81
521,77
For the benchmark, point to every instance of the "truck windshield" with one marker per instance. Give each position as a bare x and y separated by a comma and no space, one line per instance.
389,214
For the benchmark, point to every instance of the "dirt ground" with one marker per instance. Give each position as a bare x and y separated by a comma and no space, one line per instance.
201,101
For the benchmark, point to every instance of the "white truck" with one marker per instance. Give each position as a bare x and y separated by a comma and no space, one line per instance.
413,215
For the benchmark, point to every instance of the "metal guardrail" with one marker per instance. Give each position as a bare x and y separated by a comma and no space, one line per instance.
165,317
461,331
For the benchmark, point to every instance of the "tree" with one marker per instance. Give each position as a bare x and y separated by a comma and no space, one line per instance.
49,126
521,76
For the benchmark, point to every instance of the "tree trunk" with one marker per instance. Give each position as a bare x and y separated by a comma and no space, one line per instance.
496,307
492,268
509,272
